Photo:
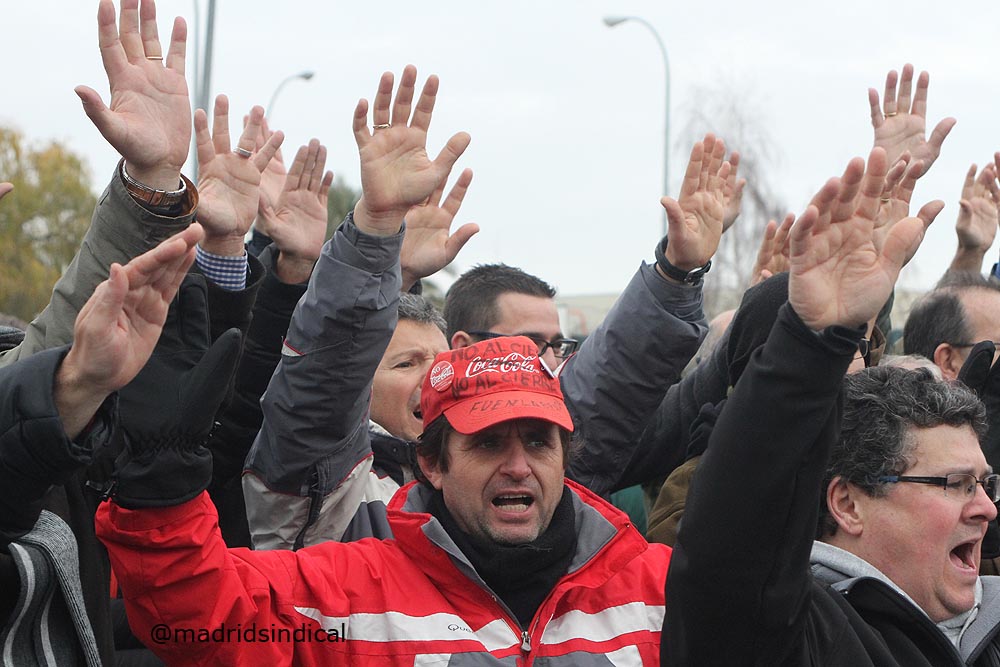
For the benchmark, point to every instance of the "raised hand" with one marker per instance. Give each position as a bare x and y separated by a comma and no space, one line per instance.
734,192
396,172
297,220
229,180
118,327
149,118
837,274
772,257
902,126
429,245
695,219
977,217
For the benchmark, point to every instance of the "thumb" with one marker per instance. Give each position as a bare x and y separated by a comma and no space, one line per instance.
206,385
97,112
675,215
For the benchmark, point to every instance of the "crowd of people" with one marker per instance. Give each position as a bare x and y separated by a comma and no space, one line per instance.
220,451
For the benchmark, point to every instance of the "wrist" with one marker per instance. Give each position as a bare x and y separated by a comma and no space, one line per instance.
685,273
378,223
968,258
76,397
293,270
225,245
157,177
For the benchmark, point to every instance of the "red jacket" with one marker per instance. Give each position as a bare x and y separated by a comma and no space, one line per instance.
404,601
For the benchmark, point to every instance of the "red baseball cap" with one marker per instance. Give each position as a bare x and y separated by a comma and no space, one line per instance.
493,381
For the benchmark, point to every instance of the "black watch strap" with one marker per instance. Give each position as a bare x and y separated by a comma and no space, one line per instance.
692,277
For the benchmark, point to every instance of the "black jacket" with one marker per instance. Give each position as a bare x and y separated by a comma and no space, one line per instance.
740,589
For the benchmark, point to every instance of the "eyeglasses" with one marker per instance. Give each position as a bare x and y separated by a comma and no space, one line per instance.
962,484
561,347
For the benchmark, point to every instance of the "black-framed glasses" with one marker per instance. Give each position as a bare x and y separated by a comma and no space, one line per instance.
961,484
561,347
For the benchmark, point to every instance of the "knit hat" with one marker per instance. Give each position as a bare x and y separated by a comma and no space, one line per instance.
493,381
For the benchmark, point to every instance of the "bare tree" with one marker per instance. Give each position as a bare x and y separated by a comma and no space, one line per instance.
730,110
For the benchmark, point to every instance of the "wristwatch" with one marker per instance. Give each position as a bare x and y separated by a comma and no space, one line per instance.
692,277
147,195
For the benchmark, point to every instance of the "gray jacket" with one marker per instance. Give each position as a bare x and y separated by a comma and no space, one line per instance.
120,230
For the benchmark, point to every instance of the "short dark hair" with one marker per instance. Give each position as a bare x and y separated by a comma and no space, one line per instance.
431,445
883,406
416,308
938,317
471,302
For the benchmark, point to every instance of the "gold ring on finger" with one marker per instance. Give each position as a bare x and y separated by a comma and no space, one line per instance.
382,126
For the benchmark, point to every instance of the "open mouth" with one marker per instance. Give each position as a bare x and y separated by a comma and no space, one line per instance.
513,503
964,555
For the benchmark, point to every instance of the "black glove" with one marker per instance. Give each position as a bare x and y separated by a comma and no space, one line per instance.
168,410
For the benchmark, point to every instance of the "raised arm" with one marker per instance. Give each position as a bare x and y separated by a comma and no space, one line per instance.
613,385
309,463
976,226
148,121
775,433
54,412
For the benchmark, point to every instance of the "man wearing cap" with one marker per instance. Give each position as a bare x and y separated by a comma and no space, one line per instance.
497,558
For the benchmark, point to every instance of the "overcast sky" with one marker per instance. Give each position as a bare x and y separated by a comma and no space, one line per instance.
566,115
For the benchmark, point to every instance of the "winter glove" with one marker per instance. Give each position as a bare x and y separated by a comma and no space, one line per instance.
168,410
981,375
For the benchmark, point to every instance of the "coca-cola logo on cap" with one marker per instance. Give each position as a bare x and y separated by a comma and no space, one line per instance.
512,363
442,375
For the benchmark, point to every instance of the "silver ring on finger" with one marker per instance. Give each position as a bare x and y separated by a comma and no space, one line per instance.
382,126
242,152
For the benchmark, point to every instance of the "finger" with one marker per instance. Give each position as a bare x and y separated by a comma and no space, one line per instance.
766,245
5,189
823,202
871,184
717,168
252,130
905,236
939,134
905,85
717,182
293,181
800,236
380,108
103,307
425,105
220,125
360,124
112,52
202,138
128,31
893,178
264,155
905,190
854,175
107,123
452,151
404,96
457,241
707,159
309,164
967,185
920,95
147,30
675,214
177,52
324,188
435,197
876,110
316,175
781,236
693,173
889,98
457,195
985,176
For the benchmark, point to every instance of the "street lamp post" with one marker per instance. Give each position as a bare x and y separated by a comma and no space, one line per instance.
305,76
611,22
